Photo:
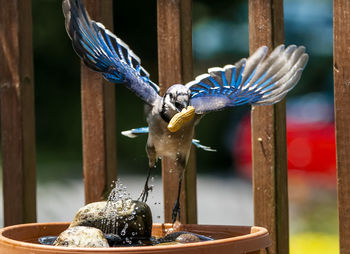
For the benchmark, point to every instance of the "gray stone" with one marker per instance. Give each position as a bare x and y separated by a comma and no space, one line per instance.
187,238
81,237
128,218
184,237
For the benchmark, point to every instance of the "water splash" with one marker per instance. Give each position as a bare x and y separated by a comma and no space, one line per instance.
118,203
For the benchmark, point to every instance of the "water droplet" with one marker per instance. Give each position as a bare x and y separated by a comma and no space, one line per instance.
128,240
123,232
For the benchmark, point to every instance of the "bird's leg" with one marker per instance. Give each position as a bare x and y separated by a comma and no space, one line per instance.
144,194
181,163
176,209
151,152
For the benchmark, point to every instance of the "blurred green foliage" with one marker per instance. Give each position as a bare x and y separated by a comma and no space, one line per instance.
314,221
314,243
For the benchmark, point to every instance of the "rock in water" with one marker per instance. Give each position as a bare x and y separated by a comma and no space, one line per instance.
187,238
183,237
81,237
127,218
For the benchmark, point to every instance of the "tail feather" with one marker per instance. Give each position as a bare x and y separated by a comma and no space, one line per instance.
133,133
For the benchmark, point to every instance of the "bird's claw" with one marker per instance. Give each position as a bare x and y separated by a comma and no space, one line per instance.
176,211
143,197
144,194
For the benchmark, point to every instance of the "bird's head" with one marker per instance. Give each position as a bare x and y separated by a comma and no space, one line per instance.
176,100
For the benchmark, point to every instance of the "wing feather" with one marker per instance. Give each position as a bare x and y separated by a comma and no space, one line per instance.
258,80
102,51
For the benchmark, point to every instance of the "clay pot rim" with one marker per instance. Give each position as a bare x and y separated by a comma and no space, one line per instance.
255,232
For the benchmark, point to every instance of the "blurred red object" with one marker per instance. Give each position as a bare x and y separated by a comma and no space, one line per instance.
310,147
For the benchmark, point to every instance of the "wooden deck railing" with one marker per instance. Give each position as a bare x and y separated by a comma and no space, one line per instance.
341,70
269,144
17,112
98,119
175,66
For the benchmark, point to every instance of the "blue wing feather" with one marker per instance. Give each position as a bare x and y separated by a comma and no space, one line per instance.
102,51
257,80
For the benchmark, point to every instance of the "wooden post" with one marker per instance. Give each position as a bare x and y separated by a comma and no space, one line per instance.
17,112
98,119
175,67
270,183
341,68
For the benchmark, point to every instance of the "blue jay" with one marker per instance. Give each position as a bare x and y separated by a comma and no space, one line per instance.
261,79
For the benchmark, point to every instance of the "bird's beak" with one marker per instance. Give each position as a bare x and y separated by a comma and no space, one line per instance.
180,118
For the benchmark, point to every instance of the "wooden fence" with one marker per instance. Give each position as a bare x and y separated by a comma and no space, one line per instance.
175,53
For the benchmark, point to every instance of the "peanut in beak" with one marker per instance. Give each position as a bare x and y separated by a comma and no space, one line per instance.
180,118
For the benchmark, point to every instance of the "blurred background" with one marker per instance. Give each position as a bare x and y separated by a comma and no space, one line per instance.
220,37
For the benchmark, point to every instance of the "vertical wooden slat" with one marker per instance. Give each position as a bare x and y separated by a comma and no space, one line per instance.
269,135
341,67
175,66
17,112
98,119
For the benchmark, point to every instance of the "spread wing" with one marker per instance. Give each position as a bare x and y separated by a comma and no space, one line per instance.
257,80
102,51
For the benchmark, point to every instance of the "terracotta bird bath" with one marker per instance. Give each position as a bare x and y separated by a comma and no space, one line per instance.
23,239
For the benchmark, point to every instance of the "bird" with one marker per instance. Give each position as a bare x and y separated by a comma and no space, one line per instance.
260,79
